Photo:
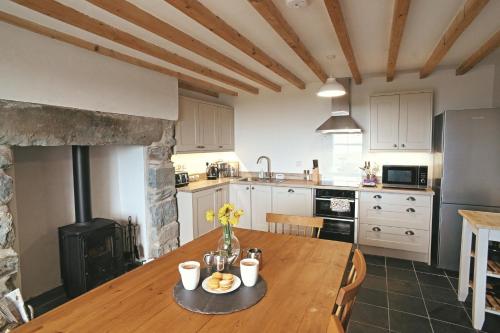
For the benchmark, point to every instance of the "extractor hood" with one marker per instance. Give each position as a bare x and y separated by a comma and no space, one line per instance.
340,120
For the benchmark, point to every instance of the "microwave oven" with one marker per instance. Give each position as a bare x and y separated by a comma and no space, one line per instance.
405,176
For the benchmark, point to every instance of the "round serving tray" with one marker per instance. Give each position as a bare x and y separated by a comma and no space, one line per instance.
200,301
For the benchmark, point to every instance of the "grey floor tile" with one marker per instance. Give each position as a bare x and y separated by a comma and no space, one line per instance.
375,282
376,270
408,323
442,327
401,274
372,296
370,314
433,280
449,273
356,327
491,323
374,260
399,263
423,267
438,294
403,287
454,283
407,304
448,313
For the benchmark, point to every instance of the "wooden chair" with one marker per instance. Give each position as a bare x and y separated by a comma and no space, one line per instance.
291,221
347,294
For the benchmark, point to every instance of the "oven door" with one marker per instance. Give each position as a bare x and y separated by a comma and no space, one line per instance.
323,209
400,175
338,229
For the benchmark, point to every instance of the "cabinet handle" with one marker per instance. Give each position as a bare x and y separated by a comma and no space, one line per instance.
411,199
377,229
253,188
291,191
377,207
248,188
395,145
221,146
410,210
403,145
409,233
377,196
200,147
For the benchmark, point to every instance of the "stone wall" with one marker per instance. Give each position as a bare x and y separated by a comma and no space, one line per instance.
30,124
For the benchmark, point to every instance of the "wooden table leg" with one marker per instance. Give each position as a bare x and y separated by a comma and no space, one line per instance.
479,284
463,278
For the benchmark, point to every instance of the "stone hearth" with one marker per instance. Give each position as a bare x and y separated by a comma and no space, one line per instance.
30,124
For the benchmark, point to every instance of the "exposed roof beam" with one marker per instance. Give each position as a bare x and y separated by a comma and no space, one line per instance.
71,16
335,11
135,15
201,14
469,11
399,15
272,15
481,53
188,86
51,33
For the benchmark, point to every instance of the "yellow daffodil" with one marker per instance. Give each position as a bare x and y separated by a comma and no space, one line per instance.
223,220
209,215
238,213
233,221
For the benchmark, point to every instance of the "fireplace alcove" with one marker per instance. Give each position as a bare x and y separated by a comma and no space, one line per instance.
138,145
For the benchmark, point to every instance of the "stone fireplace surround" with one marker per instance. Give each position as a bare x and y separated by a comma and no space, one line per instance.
31,124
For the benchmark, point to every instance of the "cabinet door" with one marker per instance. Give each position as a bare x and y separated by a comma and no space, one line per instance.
225,128
240,198
185,129
206,126
415,121
292,201
384,122
203,201
262,201
221,197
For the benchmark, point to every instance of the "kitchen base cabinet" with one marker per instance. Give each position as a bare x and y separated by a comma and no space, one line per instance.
398,223
292,201
192,208
256,202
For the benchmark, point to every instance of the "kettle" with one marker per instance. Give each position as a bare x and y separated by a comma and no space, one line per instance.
212,171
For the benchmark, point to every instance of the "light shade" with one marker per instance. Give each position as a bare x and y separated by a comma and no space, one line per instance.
331,88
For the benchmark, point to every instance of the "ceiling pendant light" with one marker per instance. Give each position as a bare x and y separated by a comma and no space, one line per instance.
331,88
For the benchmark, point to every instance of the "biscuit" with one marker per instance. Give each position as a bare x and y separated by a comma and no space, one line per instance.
225,284
227,276
213,283
217,275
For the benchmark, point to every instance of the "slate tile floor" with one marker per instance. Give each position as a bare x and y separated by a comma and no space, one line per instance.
405,297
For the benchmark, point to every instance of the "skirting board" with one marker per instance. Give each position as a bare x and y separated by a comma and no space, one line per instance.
379,251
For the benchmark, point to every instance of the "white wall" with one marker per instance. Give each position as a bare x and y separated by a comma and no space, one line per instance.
44,201
38,69
282,126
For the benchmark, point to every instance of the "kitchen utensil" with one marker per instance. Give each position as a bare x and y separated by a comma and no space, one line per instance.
212,171
253,253
249,269
190,274
220,261
236,285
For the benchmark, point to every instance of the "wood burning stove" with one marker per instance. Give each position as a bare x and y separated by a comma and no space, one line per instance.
91,249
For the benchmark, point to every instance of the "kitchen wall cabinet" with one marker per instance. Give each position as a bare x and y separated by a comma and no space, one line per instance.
192,208
204,127
256,201
292,201
401,121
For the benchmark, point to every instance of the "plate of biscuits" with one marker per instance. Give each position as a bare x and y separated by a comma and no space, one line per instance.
221,283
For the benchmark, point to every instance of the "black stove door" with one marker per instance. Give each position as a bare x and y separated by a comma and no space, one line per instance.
338,229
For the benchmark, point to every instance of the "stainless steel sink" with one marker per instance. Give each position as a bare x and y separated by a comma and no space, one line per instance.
262,180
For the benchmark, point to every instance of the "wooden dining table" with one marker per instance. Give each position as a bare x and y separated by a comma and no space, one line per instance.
303,277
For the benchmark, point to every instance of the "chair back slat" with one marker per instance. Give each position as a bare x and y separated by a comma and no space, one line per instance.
295,225
347,294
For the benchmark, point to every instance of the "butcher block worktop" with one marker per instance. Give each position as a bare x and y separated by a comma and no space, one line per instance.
481,220
207,184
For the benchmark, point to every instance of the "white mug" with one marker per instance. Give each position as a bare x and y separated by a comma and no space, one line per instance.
190,274
249,269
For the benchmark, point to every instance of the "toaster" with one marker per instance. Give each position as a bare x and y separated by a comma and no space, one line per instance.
181,179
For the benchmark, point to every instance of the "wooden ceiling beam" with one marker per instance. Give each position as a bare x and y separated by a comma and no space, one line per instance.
75,18
272,15
489,46
399,15
468,12
135,15
190,87
335,12
201,14
75,41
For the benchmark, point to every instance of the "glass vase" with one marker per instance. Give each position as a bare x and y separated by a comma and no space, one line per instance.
229,243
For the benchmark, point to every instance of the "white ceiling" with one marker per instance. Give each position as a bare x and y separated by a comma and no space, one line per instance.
368,23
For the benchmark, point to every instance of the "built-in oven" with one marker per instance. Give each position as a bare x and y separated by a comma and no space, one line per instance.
338,225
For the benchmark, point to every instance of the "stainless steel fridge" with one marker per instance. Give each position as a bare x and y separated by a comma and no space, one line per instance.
466,175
